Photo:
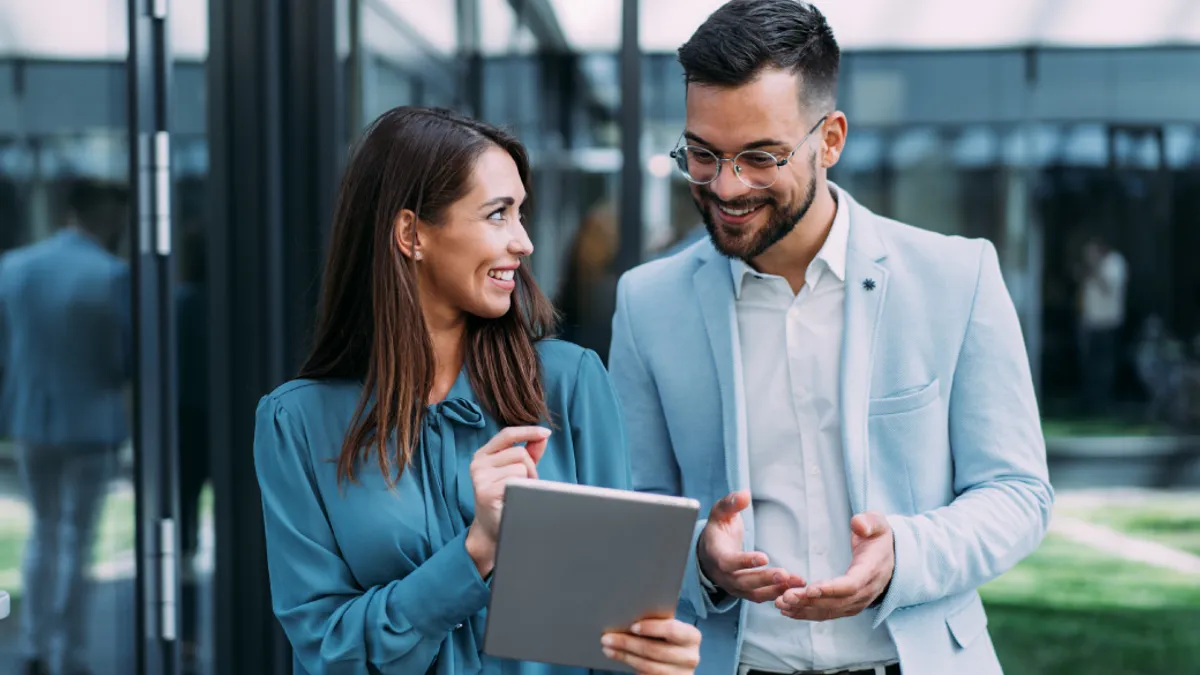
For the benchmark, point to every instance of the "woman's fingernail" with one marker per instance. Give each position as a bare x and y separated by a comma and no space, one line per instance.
636,629
607,640
609,653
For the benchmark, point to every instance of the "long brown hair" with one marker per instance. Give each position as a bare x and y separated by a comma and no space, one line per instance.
370,326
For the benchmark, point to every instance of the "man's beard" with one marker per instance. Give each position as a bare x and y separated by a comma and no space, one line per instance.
782,221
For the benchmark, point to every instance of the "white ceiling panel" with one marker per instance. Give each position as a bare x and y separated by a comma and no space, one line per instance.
594,25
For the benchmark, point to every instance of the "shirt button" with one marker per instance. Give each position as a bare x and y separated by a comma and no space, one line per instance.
458,626
815,470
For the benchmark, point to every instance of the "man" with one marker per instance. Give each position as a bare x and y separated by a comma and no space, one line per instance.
847,396
1101,317
65,348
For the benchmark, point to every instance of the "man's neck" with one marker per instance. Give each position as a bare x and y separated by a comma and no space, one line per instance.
791,256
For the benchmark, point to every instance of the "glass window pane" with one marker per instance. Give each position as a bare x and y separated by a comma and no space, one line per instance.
67,519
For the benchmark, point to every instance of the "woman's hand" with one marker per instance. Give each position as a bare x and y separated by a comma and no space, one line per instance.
497,462
656,647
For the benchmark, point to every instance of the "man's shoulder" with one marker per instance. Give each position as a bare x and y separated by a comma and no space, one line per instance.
669,275
937,257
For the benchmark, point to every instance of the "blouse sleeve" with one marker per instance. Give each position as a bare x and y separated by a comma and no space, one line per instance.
333,624
597,429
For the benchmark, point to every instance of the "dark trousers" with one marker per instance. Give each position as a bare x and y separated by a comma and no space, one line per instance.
65,485
1098,368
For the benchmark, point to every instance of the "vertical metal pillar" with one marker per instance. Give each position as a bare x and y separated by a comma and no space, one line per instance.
629,253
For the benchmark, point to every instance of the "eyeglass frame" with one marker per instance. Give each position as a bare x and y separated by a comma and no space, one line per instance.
779,163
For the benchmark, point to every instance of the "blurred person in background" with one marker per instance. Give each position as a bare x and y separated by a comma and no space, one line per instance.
589,288
430,385
1103,275
66,332
850,396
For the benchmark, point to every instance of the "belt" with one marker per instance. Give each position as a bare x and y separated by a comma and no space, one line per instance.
893,669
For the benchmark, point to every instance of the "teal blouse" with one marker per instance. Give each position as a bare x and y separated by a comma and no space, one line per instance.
370,580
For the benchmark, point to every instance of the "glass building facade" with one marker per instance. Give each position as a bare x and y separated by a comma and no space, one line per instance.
192,148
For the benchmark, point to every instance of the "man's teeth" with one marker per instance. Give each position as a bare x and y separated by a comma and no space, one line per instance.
502,275
736,212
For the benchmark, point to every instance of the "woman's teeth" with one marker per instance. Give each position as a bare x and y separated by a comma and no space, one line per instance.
502,275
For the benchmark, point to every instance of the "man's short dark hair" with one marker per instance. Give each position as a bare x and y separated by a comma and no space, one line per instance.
743,37
90,202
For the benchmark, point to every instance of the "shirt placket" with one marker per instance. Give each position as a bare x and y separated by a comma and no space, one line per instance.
800,345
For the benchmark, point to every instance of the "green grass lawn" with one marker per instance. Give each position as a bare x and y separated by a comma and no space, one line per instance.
1057,428
115,536
1173,520
1070,610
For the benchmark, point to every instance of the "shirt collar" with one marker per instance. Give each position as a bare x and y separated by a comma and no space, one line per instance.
831,257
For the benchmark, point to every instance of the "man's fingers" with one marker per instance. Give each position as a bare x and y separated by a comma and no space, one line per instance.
839,587
840,606
729,506
771,576
732,563
766,593
869,524
510,436
815,614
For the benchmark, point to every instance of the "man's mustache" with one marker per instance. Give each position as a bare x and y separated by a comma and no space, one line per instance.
735,204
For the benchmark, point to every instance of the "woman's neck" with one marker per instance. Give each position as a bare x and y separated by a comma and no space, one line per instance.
446,331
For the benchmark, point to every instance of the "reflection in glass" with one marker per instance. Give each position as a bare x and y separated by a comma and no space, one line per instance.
67,520
190,168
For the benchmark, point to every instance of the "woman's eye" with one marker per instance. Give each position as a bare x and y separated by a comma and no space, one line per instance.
498,214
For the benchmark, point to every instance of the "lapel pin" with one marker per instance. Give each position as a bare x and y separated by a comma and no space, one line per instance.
868,284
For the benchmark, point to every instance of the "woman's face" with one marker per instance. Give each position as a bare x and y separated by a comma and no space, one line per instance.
468,263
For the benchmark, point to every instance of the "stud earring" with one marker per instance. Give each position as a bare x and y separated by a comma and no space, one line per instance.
417,255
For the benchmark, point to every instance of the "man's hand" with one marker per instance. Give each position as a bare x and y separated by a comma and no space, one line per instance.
869,573
742,575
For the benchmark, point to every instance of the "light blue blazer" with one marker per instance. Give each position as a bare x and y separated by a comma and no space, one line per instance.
66,343
940,424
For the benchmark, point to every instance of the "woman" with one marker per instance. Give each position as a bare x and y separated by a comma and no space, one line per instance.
430,385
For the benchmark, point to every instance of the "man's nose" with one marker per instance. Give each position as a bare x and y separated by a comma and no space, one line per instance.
728,186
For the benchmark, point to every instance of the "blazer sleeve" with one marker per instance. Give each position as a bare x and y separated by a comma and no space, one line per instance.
653,464
333,624
1004,497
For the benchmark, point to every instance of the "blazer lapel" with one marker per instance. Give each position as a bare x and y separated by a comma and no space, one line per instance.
714,290
866,291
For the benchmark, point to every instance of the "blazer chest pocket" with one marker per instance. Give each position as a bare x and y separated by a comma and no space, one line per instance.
905,401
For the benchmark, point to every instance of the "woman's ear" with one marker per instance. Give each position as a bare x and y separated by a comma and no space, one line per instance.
404,230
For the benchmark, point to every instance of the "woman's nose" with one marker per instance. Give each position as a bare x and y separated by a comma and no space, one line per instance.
521,244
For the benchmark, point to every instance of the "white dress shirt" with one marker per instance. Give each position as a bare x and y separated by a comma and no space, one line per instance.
791,347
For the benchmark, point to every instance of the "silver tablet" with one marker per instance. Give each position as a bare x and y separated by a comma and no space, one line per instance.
574,562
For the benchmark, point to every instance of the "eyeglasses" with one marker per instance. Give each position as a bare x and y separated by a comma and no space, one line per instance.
757,169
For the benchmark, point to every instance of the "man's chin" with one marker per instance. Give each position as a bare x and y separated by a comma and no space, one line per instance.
731,247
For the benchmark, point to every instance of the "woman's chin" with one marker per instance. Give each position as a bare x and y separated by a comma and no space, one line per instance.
493,309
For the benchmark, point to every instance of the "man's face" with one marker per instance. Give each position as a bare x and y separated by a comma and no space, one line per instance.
765,114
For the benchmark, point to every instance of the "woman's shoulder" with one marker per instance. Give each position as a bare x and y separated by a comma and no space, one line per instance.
560,358
566,366
301,396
